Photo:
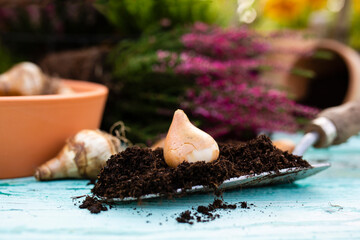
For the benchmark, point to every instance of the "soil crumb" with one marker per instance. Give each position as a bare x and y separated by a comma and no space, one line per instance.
139,171
93,205
207,213
244,205
185,217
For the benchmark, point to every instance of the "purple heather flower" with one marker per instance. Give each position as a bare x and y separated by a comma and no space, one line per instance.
34,13
200,27
162,54
227,91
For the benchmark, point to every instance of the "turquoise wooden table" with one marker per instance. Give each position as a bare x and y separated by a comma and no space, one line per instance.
325,206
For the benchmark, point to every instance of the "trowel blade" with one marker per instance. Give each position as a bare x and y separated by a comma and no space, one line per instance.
287,175
284,176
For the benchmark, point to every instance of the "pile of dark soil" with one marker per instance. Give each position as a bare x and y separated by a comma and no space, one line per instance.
136,172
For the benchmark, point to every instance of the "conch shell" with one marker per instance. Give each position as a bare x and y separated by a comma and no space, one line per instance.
26,78
83,156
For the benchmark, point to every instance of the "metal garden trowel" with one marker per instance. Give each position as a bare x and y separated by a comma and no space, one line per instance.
332,126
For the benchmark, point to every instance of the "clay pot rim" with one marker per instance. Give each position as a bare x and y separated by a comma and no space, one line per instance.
82,89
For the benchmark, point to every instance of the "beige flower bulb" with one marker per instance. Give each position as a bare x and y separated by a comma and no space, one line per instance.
27,79
185,142
23,79
284,145
83,156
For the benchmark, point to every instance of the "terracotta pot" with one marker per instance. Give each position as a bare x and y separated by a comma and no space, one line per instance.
336,80
34,128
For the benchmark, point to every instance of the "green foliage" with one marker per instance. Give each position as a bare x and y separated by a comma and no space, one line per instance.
6,59
142,98
303,72
323,54
354,40
132,17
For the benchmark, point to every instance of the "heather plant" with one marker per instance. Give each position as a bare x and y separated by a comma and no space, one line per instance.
212,73
227,94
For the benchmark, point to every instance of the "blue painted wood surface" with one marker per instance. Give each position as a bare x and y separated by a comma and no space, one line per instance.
325,206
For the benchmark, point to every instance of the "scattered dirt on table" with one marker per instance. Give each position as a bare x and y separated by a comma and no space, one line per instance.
139,171
185,217
207,213
244,205
93,205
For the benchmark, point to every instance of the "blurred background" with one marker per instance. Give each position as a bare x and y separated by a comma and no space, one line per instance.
237,67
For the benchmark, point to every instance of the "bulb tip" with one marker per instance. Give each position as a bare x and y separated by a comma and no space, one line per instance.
37,175
42,173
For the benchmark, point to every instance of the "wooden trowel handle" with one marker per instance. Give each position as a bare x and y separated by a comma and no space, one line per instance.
346,120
